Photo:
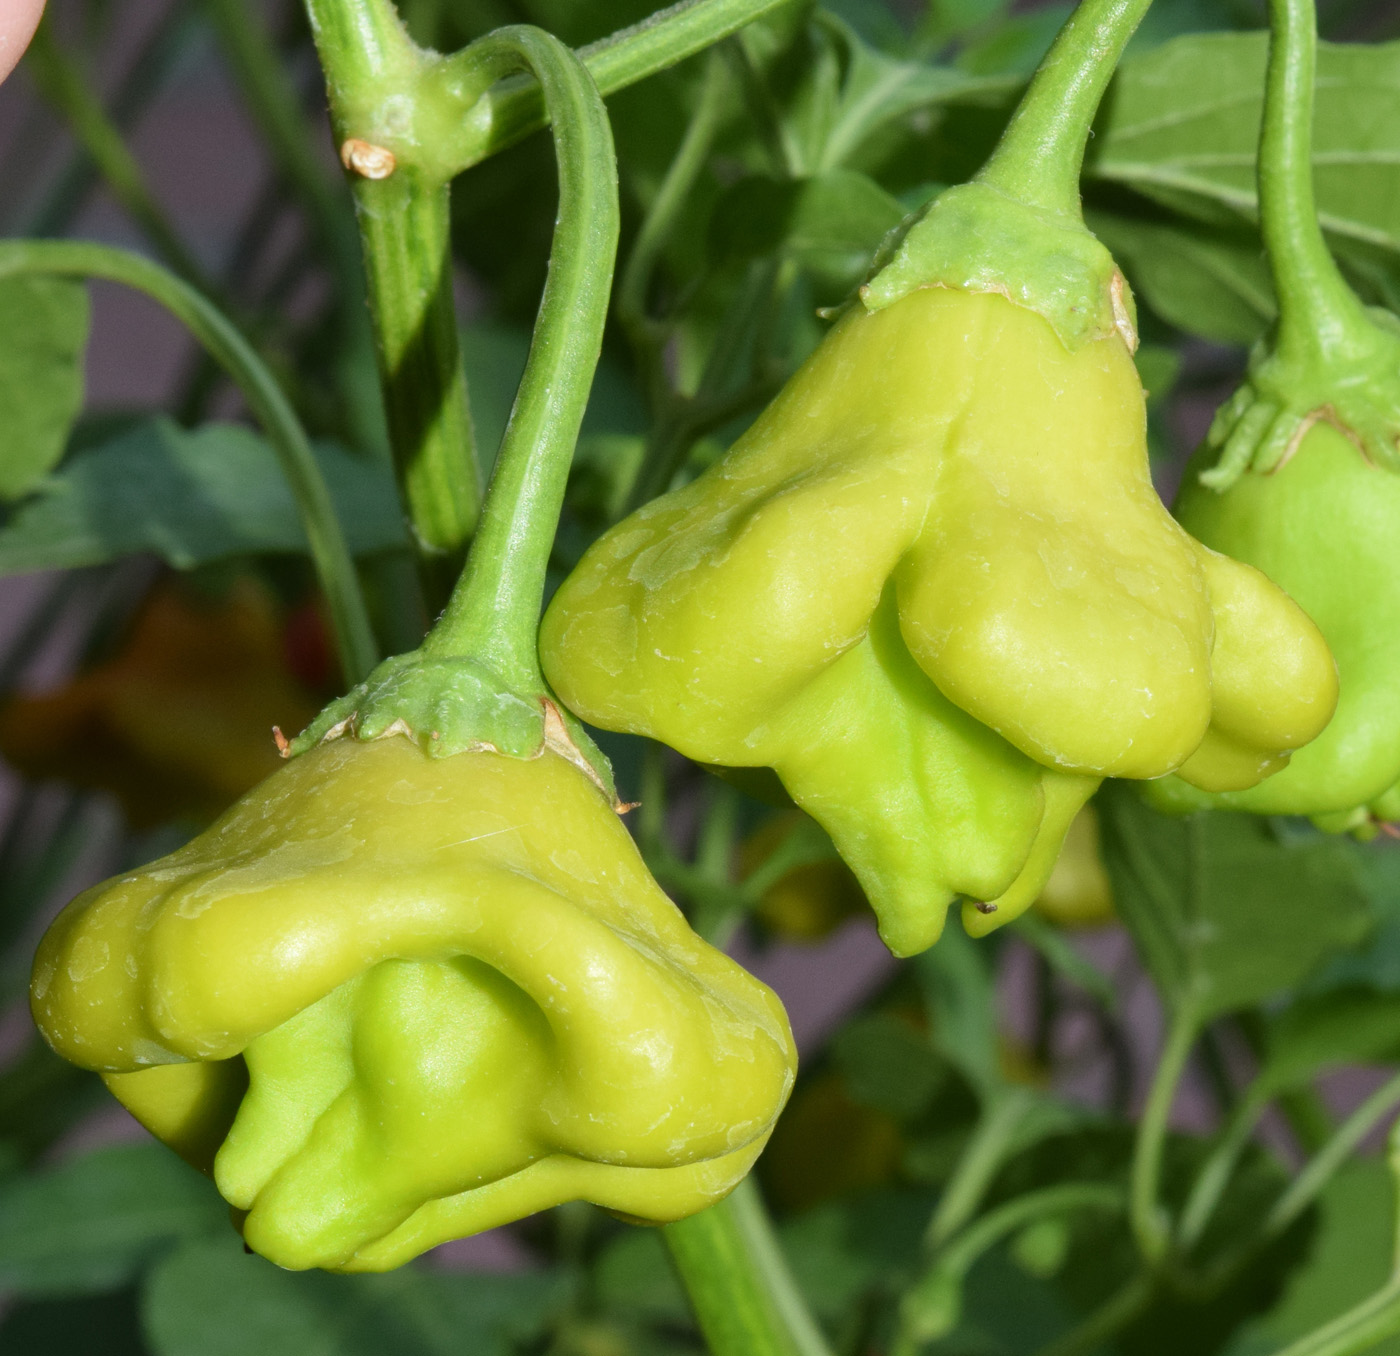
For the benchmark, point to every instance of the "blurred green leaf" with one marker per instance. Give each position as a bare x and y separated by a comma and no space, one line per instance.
210,1298
878,89
1181,123
831,225
634,1278
93,1224
1349,1259
43,332
1224,914
888,1065
1326,1031
1204,280
93,1325
190,498
961,1002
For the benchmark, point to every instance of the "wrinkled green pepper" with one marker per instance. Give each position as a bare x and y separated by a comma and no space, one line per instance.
1323,526
934,589
391,999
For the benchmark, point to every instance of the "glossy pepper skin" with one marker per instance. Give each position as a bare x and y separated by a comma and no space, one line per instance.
454,996
1323,525
934,589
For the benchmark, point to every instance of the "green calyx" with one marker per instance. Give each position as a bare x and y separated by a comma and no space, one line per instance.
977,238
456,704
1017,228
1328,359
1352,383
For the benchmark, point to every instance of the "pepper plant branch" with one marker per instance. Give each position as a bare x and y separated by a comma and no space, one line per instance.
1146,1213
740,1288
929,1297
494,611
979,1163
70,91
329,553
1039,157
1378,1316
1320,1169
369,62
615,62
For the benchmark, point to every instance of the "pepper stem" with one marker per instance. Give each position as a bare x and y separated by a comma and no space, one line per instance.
1041,153
493,615
1318,311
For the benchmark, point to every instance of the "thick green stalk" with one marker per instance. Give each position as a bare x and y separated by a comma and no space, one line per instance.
1041,153
741,1291
1318,313
70,91
1146,1214
371,65
329,553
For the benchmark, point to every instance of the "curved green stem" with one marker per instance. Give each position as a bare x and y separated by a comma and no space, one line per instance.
623,58
1040,155
70,91
996,1224
1318,312
979,1163
742,1293
494,610
1321,1167
1214,1175
329,553
1146,1214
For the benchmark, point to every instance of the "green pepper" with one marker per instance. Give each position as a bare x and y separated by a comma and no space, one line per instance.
1300,475
453,992
934,589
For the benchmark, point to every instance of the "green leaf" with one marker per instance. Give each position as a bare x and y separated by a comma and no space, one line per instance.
888,1065
43,332
1182,122
210,1298
1204,280
634,1277
962,1008
831,225
879,89
190,498
93,1325
1349,1260
93,1224
1224,914
1327,1031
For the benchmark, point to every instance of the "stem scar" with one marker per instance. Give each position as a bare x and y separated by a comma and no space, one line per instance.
366,159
